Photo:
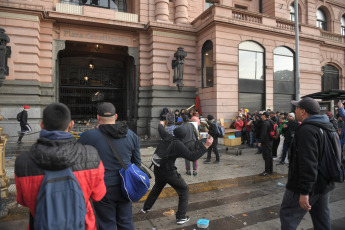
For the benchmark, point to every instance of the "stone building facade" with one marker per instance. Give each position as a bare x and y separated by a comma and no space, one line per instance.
240,54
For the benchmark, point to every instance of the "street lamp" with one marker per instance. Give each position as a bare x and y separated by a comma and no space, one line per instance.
5,53
178,66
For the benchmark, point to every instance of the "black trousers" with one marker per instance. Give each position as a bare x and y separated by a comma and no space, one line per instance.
275,147
214,148
267,155
163,177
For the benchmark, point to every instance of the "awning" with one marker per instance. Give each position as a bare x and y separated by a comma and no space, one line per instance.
328,95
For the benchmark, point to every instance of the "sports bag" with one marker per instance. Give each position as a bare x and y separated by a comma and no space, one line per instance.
220,130
60,202
19,116
134,182
331,164
274,131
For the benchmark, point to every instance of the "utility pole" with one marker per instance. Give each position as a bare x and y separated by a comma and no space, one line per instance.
297,51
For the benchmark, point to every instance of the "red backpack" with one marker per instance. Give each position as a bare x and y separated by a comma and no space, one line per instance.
274,132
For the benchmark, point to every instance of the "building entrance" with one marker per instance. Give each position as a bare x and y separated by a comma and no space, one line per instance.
90,74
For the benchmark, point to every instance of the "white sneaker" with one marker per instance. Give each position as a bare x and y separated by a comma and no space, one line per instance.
276,159
183,220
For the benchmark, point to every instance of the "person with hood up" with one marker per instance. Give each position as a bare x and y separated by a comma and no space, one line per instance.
307,190
113,211
57,149
24,126
167,173
163,115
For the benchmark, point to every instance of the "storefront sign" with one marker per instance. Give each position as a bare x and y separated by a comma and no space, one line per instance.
95,37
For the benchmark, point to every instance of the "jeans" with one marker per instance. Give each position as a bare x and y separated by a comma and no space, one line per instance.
250,138
286,147
114,210
163,177
291,213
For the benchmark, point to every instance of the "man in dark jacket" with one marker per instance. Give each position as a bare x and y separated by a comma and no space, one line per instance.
24,125
306,189
213,132
189,141
113,210
266,144
167,174
57,149
257,123
289,132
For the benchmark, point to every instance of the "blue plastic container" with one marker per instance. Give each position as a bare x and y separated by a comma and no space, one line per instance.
203,223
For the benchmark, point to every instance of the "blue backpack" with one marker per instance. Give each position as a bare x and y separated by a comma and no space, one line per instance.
60,202
220,130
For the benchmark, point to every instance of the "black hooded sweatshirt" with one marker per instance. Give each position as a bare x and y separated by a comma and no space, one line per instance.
177,149
305,153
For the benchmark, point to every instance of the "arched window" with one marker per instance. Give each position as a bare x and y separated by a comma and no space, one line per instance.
321,19
343,25
283,79
330,78
207,64
292,12
251,84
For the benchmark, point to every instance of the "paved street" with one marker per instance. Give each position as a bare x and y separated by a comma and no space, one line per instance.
231,195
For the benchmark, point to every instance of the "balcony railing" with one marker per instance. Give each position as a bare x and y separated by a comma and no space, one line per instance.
74,7
332,36
286,25
246,16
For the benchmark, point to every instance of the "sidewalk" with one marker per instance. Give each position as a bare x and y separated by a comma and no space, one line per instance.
231,171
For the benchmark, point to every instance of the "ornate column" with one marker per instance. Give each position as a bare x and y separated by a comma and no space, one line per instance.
162,10
181,11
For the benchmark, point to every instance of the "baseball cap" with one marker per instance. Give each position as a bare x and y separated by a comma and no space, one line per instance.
106,109
26,107
266,114
309,104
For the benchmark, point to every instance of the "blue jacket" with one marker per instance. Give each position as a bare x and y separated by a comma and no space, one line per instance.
126,143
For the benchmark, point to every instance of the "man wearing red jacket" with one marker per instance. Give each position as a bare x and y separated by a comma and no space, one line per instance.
56,149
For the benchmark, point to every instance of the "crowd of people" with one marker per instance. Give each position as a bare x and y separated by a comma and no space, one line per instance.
93,165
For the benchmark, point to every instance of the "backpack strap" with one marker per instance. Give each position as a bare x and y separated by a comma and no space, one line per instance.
117,155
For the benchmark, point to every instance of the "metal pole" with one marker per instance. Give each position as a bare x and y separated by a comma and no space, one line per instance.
297,50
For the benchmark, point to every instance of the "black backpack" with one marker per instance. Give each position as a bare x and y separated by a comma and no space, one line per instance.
332,163
19,116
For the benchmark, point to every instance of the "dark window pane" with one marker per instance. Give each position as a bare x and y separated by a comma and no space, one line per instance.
282,102
251,101
330,78
207,64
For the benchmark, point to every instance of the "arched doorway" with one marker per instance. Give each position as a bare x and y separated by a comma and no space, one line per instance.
93,73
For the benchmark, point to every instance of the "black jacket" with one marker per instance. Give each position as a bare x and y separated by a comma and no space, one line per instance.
264,131
24,118
212,129
178,149
289,131
305,152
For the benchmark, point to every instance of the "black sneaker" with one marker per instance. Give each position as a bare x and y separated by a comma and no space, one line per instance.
264,174
216,162
183,220
281,163
188,172
207,161
195,173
